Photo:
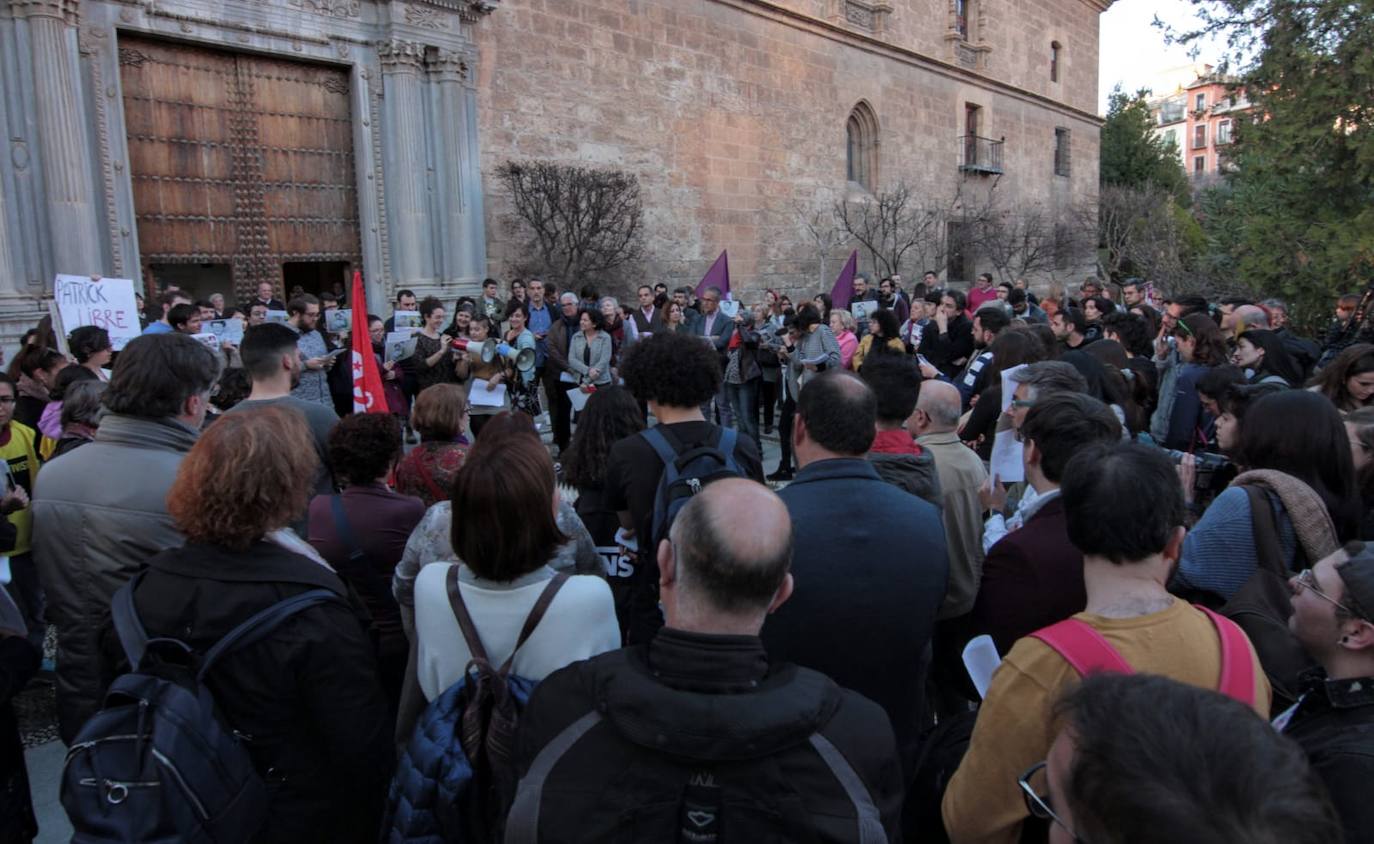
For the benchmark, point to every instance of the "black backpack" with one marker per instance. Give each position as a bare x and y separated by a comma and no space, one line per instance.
157,763
687,469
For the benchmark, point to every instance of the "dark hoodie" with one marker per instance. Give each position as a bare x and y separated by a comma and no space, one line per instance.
904,464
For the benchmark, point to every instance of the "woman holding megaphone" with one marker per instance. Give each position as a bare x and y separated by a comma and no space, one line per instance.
488,379
524,389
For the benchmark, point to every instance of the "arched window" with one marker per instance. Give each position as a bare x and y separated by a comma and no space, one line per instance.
861,152
1054,61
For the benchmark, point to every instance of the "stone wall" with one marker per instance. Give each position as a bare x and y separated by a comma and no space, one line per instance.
732,113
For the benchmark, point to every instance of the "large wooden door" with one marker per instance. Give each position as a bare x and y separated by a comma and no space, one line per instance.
238,159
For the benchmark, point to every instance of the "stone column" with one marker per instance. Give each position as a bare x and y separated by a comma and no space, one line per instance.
64,153
403,148
449,71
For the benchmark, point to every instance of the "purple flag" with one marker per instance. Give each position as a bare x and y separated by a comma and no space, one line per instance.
717,276
843,290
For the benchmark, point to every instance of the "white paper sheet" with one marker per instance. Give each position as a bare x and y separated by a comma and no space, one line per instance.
578,398
480,396
567,377
981,660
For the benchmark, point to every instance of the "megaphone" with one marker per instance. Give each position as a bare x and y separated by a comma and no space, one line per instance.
463,344
523,358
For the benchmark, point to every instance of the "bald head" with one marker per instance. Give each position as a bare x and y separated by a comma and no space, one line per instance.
942,405
1250,316
732,548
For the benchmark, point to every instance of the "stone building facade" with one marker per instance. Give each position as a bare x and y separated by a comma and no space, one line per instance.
221,144
734,116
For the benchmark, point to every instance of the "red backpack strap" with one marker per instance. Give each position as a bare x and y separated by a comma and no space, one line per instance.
1083,647
1237,668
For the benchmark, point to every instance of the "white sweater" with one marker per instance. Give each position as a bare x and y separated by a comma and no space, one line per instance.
580,623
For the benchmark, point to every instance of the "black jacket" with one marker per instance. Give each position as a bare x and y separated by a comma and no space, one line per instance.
1334,723
948,352
308,694
19,660
703,729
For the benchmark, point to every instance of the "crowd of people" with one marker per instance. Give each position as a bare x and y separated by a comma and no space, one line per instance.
1146,519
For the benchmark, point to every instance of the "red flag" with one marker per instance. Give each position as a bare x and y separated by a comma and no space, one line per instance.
367,381
717,276
843,290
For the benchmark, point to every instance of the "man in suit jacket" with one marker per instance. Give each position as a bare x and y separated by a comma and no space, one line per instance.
869,561
719,328
1033,576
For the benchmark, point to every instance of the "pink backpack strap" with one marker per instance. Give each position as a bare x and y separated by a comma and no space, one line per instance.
1237,668
1083,647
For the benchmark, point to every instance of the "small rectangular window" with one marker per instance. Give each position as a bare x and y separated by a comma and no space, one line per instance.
1061,152
1054,61
1224,132
1200,164
1200,137
1201,103
961,18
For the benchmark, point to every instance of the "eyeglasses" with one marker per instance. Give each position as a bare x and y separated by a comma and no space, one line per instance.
1023,403
1307,580
7,399
1039,804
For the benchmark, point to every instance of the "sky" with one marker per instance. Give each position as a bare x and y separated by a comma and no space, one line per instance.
1133,52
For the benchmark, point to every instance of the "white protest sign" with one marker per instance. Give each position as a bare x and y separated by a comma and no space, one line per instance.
106,303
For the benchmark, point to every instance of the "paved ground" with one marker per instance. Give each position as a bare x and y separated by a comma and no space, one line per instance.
45,753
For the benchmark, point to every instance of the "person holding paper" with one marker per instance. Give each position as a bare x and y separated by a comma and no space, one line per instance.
1033,577
558,376
488,384
434,360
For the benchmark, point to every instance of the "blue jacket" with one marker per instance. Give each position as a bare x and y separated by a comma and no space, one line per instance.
434,776
870,572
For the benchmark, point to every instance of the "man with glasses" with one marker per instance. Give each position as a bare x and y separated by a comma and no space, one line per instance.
1124,511
1333,720
303,314
1148,760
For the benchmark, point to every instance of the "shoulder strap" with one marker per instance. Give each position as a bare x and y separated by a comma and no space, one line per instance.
729,438
522,824
1265,531
664,443
128,626
460,612
1237,669
263,623
345,529
541,605
870,822
1083,647
469,630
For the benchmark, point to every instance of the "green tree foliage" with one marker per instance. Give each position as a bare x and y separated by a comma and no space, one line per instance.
1132,155
1296,215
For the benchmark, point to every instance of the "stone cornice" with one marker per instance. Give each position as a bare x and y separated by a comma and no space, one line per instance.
469,11
835,32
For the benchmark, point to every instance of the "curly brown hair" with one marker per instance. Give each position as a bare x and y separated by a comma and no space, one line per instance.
611,414
248,474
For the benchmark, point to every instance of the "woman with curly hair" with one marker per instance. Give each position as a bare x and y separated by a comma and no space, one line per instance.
308,692
610,415
883,337
362,531
1348,381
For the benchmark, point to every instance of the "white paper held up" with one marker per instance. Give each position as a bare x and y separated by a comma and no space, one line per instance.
981,660
480,396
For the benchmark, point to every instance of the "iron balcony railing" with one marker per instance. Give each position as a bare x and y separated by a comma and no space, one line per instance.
980,155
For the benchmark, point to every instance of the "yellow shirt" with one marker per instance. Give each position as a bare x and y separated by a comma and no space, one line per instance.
866,348
983,802
22,458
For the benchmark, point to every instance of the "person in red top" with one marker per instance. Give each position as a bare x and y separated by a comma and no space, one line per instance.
980,293
896,381
440,416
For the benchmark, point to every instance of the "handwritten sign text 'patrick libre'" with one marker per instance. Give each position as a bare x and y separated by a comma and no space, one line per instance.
108,303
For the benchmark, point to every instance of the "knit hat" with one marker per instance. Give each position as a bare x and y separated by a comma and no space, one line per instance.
1358,576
